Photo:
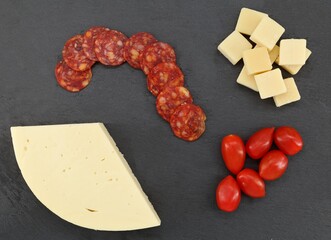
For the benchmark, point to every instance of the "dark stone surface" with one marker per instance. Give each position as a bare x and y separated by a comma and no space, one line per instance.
179,177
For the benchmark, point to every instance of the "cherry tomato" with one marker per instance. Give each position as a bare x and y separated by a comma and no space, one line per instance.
233,153
260,143
251,183
228,194
288,140
273,165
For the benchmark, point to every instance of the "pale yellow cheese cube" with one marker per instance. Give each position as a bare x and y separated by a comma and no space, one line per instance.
248,20
233,46
294,69
257,60
273,54
267,33
270,83
292,52
292,94
247,80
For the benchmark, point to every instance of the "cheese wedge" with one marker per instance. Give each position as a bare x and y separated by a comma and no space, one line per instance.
79,174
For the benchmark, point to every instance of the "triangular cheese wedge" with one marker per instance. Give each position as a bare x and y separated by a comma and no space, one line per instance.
79,174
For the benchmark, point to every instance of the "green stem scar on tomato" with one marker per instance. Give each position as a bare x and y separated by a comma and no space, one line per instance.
273,165
260,143
288,140
251,183
233,153
228,194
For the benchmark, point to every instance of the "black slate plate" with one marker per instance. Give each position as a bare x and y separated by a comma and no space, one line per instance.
179,177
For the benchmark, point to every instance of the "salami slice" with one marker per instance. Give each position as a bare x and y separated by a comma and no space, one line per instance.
74,56
135,46
164,75
170,98
156,53
109,46
71,80
89,41
188,122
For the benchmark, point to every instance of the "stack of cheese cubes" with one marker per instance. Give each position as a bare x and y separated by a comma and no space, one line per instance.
257,73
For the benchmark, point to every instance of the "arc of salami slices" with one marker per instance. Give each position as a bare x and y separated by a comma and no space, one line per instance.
135,45
170,98
74,56
71,80
156,53
109,47
163,75
188,122
89,41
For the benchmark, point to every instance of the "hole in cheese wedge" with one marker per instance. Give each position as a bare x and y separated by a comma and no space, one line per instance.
68,168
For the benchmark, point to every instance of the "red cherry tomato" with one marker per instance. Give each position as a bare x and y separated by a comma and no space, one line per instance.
288,140
228,194
233,153
260,143
273,165
251,183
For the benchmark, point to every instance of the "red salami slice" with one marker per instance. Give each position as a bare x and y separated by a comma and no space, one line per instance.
74,56
135,46
164,75
71,80
188,122
170,98
89,40
156,53
109,46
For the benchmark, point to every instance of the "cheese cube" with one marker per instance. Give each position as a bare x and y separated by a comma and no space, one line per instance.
294,69
257,60
233,46
247,80
270,83
248,20
273,54
292,94
292,52
267,33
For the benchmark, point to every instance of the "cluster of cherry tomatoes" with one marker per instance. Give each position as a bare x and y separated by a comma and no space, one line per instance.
272,165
